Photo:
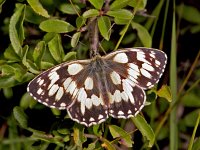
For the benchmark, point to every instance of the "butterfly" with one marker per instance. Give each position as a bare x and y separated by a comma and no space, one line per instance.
91,90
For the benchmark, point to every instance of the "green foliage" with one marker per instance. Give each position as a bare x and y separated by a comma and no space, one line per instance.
45,33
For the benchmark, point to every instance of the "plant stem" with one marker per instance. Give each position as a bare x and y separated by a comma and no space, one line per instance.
94,38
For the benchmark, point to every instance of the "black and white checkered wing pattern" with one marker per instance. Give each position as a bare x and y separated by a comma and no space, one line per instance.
145,66
94,89
133,71
73,86
56,87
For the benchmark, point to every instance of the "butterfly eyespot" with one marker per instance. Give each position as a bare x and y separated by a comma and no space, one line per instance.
92,90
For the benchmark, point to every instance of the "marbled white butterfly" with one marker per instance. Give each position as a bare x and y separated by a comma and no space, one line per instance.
92,90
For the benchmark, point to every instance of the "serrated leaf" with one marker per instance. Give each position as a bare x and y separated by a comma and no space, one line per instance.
143,34
56,49
97,3
16,32
144,128
32,17
75,39
120,14
38,8
142,4
57,26
189,13
118,4
20,116
104,25
118,132
165,92
80,21
90,13
69,8
38,53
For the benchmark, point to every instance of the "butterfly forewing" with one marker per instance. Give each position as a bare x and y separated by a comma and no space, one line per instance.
145,66
94,89
56,87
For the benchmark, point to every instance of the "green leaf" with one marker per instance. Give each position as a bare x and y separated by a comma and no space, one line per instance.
1,4
56,49
20,116
57,26
27,101
91,146
118,4
70,56
63,131
69,8
190,119
31,66
38,8
165,92
120,14
142,4
191,100
97,3
79,137
80,21
75,39
189,13
25,49
144,128
120,21
143,34
38,53
46,65
104,25
8,93
118,132
33,17
11,55
90,13
196,144
16,32
12,75
107,145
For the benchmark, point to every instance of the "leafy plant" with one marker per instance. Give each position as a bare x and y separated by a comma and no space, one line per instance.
45,33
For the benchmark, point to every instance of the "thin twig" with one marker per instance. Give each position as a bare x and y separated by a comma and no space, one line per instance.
94,38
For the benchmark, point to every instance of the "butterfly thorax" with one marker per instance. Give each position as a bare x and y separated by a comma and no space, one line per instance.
99,69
